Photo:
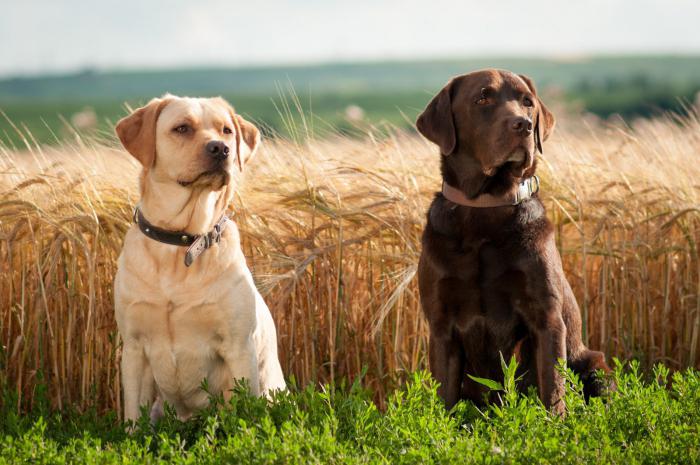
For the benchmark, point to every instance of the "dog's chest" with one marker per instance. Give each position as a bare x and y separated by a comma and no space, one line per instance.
185,345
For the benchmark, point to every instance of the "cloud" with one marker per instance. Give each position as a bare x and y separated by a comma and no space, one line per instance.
41,35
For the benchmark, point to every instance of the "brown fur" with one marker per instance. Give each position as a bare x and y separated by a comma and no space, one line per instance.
490,279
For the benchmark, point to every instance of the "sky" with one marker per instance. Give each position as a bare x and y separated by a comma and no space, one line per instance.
58,36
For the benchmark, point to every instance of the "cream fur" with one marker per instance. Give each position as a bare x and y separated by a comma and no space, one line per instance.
183,325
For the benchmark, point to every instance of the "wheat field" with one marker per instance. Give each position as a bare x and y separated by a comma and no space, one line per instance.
331,227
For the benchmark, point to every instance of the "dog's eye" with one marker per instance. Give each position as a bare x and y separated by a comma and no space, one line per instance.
527,101
227,130
182,129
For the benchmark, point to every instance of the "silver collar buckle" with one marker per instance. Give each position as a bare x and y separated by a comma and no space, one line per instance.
526,189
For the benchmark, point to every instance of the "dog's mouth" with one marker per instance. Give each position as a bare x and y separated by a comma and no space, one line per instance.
519,156
517,162
215,178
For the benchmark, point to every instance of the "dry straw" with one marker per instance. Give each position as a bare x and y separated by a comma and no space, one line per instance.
331,227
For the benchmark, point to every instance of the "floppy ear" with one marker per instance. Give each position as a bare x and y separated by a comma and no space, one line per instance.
137,132
247,139
436,123
544,124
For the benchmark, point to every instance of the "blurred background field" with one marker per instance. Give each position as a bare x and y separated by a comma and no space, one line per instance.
345,96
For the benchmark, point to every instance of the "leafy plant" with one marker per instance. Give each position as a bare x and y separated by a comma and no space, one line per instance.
645,421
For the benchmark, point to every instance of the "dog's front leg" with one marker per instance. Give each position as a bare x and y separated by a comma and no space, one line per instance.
544,313
242,360
137,380
447,367
551,347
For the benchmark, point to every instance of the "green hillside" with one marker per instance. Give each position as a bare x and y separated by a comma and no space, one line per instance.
386,91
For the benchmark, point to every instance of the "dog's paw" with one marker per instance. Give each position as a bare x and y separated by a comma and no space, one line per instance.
597,384
594,374
157,411
558,408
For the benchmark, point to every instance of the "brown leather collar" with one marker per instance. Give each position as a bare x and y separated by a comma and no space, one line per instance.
196,243
526,189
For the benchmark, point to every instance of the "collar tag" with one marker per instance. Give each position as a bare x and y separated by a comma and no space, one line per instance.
526,189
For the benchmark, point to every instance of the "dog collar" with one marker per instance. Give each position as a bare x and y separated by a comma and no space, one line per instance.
196,243
526,190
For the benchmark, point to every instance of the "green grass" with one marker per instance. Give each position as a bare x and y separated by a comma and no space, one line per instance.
49,122
388,92
651,421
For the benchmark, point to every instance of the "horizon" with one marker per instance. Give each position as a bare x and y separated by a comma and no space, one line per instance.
552,58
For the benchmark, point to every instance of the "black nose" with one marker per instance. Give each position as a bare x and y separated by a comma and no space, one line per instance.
522,125
217,149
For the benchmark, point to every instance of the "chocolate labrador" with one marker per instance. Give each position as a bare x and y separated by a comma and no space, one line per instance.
490,276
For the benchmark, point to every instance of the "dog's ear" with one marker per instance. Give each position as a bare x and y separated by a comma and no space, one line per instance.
436,123
247,139
137,132
544,121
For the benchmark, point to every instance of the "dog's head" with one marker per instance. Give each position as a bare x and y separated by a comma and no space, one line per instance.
487,123
194,142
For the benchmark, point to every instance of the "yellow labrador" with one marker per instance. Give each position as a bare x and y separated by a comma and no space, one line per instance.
185,302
